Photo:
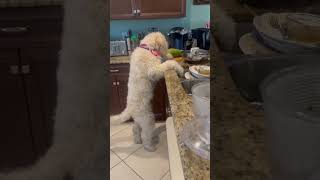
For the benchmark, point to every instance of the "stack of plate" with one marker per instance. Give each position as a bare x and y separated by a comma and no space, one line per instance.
288,32
198,72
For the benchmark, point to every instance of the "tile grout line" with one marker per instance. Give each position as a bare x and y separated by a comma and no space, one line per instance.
116,163
133,170
165,174
120,130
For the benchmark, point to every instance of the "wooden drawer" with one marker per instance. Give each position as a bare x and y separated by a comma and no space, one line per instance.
119,68
25,28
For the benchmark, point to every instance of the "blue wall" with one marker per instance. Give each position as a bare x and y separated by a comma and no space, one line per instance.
196,16
199,16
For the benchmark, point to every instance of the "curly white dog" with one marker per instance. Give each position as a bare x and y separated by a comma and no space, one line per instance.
145,70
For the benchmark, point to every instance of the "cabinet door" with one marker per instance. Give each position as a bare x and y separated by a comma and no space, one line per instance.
122,83
161,8
159,101
122,9
15,130
114,103
40,69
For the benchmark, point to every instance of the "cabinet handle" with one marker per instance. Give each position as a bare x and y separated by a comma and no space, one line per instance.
134,12
118,83
14,70
114,83
114,70
138,12
26,69
14,29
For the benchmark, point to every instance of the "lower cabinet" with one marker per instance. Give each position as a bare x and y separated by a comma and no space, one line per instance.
119,75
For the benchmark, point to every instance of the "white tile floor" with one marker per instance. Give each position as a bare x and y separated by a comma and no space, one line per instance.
129,161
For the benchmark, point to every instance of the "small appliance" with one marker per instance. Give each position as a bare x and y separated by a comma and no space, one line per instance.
118,48
202,37
178,37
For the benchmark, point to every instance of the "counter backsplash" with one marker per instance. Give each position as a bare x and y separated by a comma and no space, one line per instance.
28,3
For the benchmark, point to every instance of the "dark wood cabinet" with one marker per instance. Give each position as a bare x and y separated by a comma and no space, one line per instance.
15,132
119,75
147,9
41,90
122,9
29,45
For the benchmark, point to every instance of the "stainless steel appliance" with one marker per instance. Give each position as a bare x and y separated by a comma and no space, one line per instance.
118,48
202,37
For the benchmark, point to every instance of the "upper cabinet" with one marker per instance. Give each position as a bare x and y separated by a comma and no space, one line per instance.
147,9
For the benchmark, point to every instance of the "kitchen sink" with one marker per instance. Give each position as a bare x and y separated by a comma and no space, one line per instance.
249,71
188,84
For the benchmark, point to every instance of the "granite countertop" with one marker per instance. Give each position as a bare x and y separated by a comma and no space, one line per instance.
120,60
29,3
238,131
194,167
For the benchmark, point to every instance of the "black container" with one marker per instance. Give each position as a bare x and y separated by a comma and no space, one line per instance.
178,37
202,35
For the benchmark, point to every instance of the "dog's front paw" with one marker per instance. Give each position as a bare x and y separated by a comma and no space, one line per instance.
180,70
171,64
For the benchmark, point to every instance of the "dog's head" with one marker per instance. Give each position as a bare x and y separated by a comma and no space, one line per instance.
157,41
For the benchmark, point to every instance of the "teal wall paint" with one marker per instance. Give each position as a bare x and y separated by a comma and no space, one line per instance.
196,16
199,16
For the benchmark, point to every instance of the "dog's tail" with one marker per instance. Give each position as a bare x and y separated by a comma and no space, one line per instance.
124,116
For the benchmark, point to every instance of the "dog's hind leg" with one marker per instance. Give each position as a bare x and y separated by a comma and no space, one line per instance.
136,133
146,120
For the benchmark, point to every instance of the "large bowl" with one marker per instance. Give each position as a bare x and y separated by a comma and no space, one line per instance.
201,109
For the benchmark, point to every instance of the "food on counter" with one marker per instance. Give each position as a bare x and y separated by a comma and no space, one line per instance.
203,70
175,52
179,59
200,71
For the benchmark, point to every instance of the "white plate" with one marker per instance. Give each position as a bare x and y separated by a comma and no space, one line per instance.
195,73
188,76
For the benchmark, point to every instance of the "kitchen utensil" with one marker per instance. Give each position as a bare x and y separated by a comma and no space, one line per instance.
202,37
292,108
194,71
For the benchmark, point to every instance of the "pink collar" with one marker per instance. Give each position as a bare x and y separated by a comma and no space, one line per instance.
154,52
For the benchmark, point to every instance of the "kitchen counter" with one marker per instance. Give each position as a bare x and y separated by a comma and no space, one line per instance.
194,167
120,60
29,3
238,131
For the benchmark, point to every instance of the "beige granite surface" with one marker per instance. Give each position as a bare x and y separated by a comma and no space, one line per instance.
29,3
194,167
120,60
238,131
